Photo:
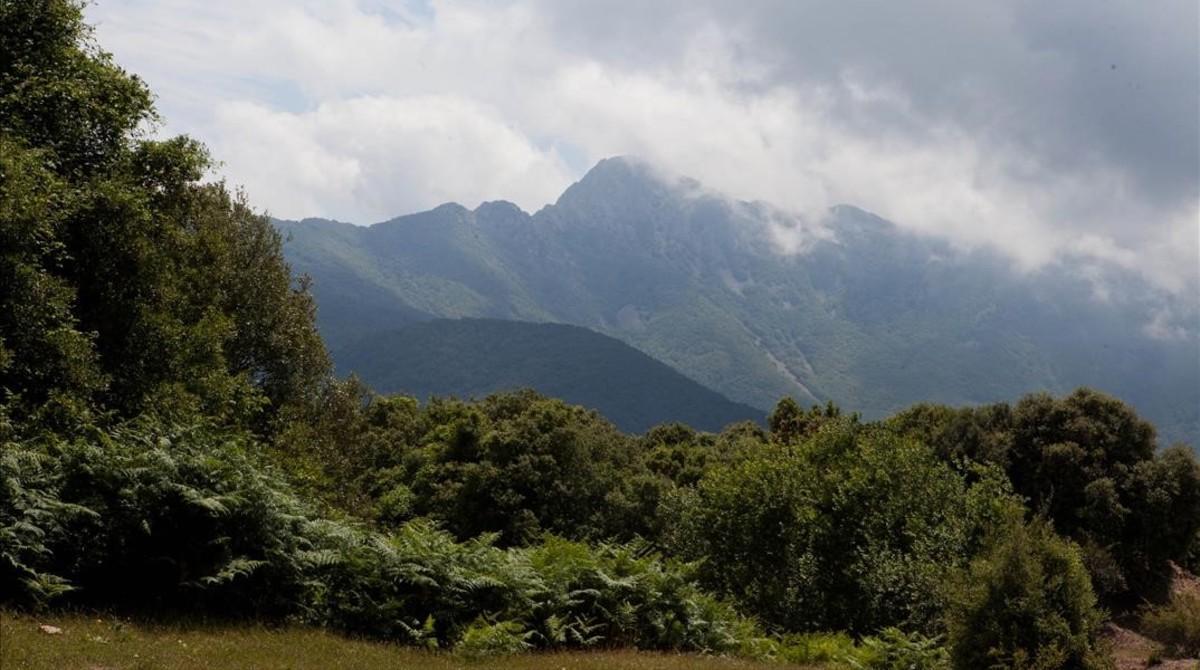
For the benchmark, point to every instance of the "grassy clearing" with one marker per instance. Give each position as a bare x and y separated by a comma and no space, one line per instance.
91,643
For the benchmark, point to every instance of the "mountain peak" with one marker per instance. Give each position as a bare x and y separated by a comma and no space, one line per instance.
450,208
620,179
618,169
499,207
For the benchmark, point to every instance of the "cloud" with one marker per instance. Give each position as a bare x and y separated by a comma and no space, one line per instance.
1047,132
364,157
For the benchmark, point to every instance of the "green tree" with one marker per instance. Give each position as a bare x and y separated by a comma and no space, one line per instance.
127,281
854,529
1026,603
1088,463
522,464
790,424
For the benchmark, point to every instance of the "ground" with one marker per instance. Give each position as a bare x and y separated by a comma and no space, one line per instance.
100,643
1134,652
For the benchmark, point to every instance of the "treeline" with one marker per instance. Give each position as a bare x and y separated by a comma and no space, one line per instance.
172,442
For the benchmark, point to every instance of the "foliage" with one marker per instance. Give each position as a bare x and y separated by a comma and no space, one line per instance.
1026,602
815,648
1176,624
515,463
188,518
1088,463
126,281
855,529
484,640
177,517
790,424
469,358
892,649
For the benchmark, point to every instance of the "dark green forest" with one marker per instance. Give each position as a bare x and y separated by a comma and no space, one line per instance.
469,358
173,442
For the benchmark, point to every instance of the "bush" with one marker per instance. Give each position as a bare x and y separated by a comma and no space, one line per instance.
185,518
855,529
893,649
175,517
485,640
1176,625
1088,463
817,648
1026,602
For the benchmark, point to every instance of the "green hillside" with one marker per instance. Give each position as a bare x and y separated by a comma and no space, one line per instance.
864,313
477,357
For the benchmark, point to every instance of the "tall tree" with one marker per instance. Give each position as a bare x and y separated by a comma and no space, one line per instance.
129,281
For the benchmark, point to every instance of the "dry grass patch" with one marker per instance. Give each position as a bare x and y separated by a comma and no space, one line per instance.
101,643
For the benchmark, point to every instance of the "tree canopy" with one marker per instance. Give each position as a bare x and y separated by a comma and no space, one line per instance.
125,279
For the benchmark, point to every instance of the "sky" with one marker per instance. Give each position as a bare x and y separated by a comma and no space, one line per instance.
1041,130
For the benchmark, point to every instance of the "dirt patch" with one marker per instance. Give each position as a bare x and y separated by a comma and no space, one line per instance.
1133,651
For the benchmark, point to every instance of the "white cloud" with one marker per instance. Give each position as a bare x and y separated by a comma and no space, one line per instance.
363,159
362,111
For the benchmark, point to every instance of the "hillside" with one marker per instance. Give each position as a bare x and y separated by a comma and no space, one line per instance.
757,304
476,357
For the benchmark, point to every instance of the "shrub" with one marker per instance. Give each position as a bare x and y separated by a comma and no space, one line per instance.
1088,463
1176,625
855,529
1026,602
817,648
893,649
485,640
177,517
517,463
186,518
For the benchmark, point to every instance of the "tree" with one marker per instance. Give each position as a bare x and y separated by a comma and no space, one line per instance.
1026,604
853,529
128,282
790,424
1088,463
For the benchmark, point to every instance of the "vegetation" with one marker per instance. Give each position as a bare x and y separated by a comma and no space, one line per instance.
476,357
108,642
854,529
1089,464
1025,603
1176,624
164,395
129,283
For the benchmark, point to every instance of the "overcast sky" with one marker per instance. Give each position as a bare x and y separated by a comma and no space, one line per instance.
1037,128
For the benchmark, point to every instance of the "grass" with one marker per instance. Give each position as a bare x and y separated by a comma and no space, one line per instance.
102,643
1176,625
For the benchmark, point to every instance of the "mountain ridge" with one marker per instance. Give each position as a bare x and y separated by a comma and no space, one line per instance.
862,312
475,357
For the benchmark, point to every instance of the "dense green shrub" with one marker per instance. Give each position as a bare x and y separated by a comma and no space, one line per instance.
484,640
1088,463
1176,625
854,529
189,519
151,515
1025,603
790,424
515,463
893,649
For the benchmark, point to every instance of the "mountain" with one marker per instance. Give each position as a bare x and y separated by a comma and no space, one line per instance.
474,357
756,304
